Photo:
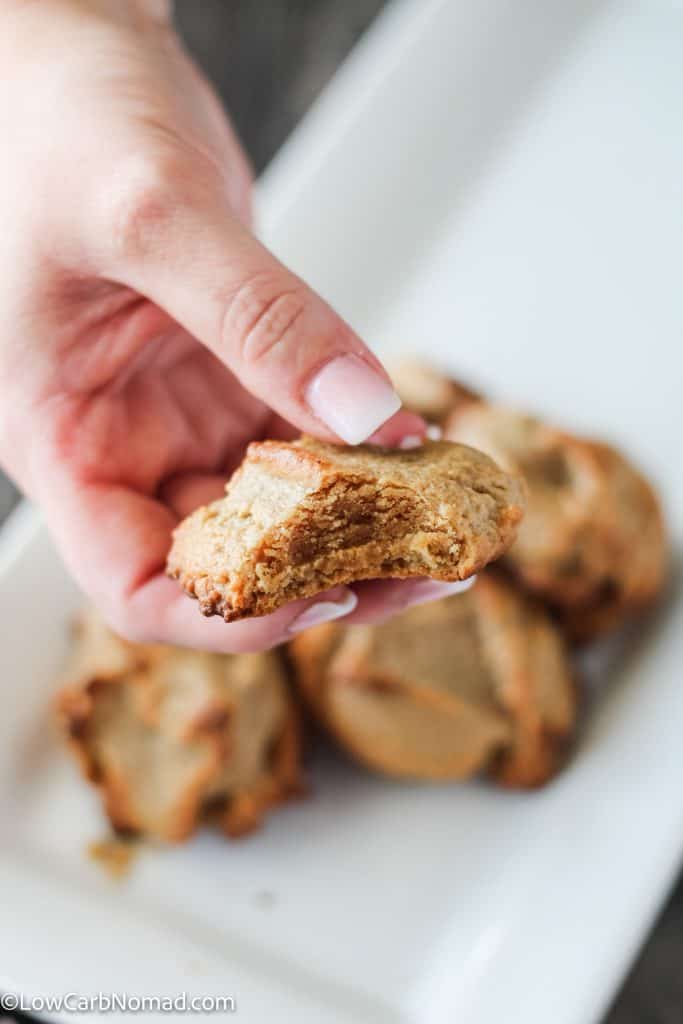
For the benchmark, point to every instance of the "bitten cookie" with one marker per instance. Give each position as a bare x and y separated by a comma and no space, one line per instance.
302,517
477,682
593,541
170,736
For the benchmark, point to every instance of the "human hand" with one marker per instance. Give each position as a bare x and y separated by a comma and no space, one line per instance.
147,336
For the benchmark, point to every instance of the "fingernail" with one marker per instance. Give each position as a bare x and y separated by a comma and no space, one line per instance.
325,611
434,432
351,398
425,590
411,441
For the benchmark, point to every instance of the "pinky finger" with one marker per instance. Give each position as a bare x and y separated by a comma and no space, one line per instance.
379,600
158,612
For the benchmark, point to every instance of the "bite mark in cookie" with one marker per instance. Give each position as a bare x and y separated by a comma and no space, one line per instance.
302,517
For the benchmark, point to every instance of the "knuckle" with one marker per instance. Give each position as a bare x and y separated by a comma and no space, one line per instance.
117,617
158,10
121,618
139,203
261,314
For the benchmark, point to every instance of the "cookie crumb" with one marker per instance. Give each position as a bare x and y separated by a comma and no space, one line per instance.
114,855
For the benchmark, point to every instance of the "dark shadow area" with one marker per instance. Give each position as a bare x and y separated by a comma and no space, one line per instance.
269,60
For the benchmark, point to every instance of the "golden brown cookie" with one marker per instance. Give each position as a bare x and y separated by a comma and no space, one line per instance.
170,735
302,517
428,392
476,682
593,542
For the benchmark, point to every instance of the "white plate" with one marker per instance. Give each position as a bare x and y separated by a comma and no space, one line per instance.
497,185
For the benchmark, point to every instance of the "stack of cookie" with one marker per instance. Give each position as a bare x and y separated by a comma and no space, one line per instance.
171,736
481,682
484,681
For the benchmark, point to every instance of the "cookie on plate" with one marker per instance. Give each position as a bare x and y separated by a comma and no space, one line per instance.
593,542
428,392
479,682
171,736
302,517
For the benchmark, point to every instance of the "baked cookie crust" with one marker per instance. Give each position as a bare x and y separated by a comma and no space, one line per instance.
477,682
302,517
593,541
429,392
173,737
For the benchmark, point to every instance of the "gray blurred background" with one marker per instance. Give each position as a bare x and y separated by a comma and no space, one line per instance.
269,59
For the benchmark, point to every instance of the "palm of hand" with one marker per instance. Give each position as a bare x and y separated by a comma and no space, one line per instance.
144,406
142,424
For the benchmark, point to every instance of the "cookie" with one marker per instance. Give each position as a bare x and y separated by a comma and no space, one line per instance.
171,736
302,517
479,682
429,393
593,541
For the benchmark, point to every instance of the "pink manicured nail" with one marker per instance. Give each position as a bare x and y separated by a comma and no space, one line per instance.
421,591
325,611
351,398
411,441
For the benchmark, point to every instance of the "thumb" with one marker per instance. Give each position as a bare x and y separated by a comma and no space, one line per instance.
181,246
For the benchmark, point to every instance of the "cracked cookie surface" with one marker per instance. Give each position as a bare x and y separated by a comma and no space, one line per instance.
302,517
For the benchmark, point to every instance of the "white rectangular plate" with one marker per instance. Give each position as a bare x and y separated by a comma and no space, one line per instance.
497,186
